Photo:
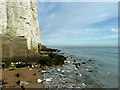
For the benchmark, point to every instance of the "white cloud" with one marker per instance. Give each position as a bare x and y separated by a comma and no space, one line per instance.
114,30
63,22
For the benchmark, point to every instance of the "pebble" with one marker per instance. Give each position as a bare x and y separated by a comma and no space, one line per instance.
83,63
77,73
62,71
90,60
32,66
48,79
68,61
68,71
39,80
19,62
75,68
34,74
58,70
43,71
73,63
30,69
12,63
83,84
80,74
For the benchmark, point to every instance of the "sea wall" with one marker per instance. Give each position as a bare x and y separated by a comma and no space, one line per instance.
20,19
14,47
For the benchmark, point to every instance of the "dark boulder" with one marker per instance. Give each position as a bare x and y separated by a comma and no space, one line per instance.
83,62
90,60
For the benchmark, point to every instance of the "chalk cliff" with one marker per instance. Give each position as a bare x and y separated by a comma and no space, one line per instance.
20,19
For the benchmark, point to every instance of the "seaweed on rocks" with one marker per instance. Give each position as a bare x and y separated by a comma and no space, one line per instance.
79,78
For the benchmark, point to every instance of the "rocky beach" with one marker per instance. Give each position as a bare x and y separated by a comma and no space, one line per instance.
27,79
74,73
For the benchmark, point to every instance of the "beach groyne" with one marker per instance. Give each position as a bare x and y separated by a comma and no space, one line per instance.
14,46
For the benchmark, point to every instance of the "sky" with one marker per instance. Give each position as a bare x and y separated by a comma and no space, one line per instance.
78,23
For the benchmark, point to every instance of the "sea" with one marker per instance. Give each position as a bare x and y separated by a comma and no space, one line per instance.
105,61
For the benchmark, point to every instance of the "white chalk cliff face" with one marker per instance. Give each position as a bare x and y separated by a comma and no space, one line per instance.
20,19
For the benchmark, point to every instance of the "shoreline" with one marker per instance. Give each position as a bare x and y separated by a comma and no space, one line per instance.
75,73
64,72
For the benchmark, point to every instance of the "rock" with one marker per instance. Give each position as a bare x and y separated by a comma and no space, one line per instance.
19,62
28,66
39,80
75,68
13,86
30,69
62,71
22,87
90,60
43,82
75,60
37,66
77,65
34,74
11,69
77,73
83,84
22,83
58,70
71,76
80,74
90,71
56,73
12,63
33,66
4,82
43,71
48,79
68,70
68,61
83,63
73,63
17,75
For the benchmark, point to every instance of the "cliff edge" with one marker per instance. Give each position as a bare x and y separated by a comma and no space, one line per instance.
20,19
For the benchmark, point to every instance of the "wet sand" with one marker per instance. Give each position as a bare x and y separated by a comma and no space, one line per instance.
11,78
74,73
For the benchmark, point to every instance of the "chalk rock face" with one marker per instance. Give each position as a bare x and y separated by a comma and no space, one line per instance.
20,19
